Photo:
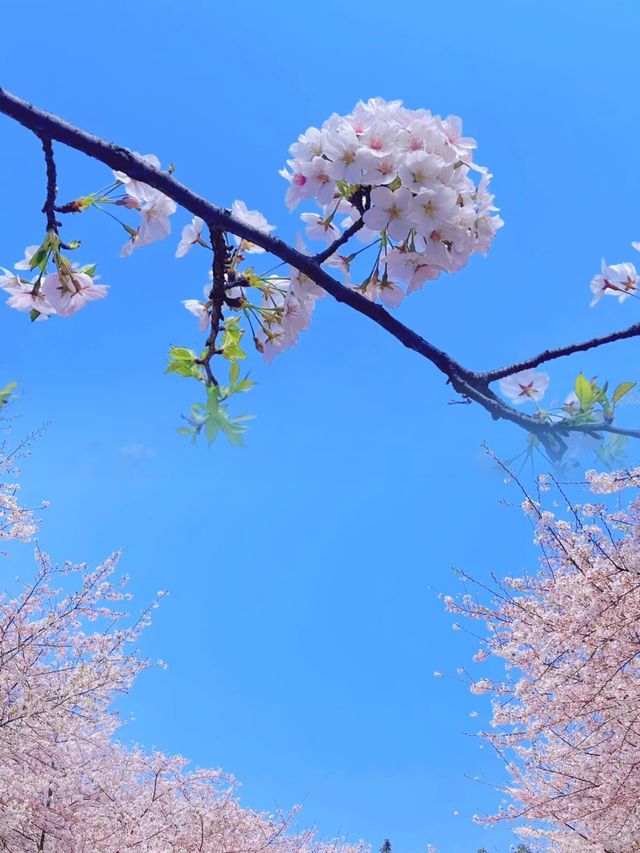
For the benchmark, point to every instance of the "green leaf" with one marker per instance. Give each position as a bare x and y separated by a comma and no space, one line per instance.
6,392
211,429
231,427
213,397
183,362
184,368
233,351
243,385
623,389
39,259
234,372
584,391
182,353
33,315
231,348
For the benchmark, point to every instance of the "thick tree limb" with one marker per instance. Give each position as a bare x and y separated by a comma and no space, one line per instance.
470,384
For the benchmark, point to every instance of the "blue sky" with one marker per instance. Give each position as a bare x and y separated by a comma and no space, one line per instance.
303,628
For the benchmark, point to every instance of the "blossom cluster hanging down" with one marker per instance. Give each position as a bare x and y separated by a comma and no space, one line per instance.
46,293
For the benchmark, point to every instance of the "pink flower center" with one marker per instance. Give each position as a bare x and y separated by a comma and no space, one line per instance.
299,180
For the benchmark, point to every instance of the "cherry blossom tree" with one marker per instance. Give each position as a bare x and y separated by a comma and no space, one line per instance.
67,650
403,182
398,200
566,716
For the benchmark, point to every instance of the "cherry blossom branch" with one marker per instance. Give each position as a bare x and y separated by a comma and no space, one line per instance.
470,384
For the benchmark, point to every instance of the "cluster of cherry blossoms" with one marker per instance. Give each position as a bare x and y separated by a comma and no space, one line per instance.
403,175
16,521
70,287
285,304
565,714
67,650
45,294
398,179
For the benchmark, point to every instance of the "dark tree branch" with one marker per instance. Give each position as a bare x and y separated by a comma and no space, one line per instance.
562,352
217,297
361,199
470,384
49,207
321,257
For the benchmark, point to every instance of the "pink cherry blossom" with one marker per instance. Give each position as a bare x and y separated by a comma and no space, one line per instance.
70,291
67,783
31,300
566,710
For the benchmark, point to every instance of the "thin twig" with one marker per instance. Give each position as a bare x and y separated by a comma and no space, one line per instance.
562,352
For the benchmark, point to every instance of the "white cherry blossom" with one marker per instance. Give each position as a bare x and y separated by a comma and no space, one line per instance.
190,236
619,280
420,170
136,188
253,218
320,227
11,282
155,210
432,209
410,173
25,264
390,211
200,308
523,386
